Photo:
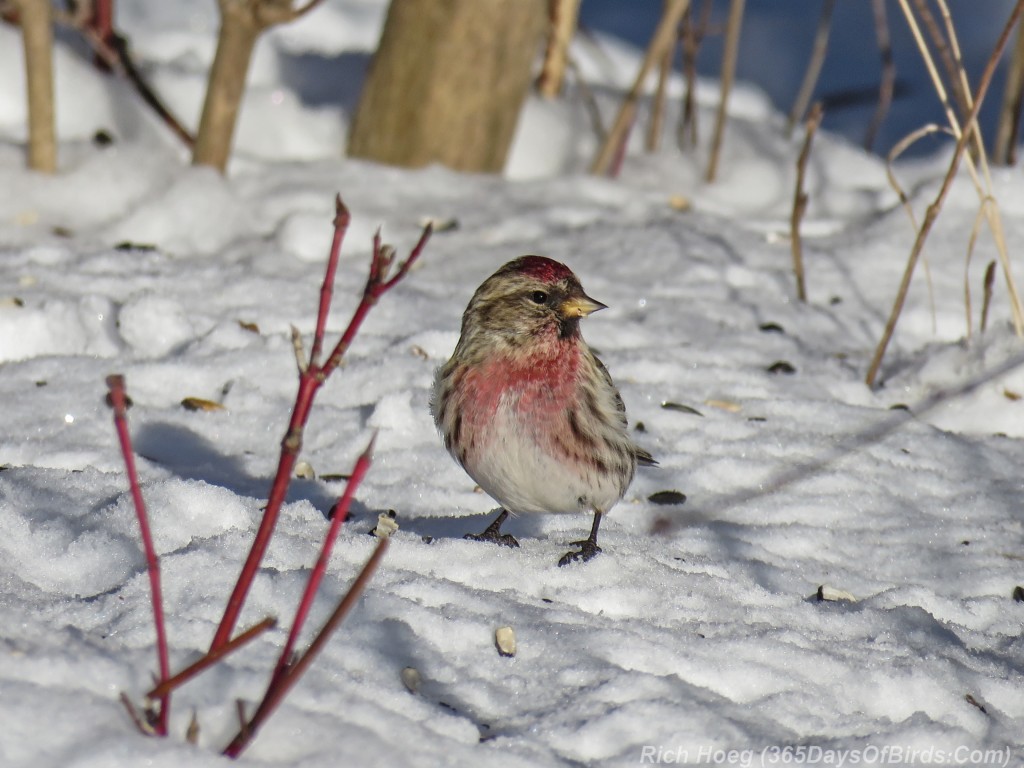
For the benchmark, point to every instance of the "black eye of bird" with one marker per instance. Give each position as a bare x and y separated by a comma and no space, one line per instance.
538,297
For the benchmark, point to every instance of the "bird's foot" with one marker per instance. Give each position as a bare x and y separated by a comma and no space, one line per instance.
588,551
493,534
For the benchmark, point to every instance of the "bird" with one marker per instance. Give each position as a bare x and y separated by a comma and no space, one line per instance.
526,407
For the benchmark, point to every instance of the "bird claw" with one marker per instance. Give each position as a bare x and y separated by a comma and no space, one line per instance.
493,533
493,537
588,551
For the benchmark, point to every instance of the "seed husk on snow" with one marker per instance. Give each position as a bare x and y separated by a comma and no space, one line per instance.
832,595
200,404
411,679
505,640
668,405
781,367
667,497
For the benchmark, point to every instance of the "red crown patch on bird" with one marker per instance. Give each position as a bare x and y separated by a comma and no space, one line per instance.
540,268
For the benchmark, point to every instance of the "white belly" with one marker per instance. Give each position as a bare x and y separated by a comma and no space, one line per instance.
515,468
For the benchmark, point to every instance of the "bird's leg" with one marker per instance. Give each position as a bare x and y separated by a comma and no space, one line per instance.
588,547
493,533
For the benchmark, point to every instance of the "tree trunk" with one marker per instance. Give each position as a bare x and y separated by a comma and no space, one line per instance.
447,83
37,33
238,33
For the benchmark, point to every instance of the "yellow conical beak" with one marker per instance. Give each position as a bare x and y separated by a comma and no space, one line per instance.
580,306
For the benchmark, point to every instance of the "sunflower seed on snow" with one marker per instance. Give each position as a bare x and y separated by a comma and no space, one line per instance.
505,640
304,470
411,679
833,595
386,525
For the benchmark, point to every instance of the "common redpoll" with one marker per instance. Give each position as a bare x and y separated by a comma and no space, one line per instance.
526,407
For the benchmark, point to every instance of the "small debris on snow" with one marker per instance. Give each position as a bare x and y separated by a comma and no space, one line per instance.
829,594
199,404
505,640
411,679
668,405
386,524
667,497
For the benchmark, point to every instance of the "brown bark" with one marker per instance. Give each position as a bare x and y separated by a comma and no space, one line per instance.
238,33
37,34
241,22
447,83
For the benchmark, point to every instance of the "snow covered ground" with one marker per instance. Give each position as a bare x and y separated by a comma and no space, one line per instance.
697,632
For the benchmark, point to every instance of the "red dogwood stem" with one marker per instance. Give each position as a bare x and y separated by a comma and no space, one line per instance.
310,379
118,401
316,575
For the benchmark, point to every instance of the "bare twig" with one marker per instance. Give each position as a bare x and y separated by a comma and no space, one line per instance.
146,92
933,209
318,571
118,401
732,47
614,143
179,679
814,64
888,82
283,683
310,380
800,201
112,49
563,15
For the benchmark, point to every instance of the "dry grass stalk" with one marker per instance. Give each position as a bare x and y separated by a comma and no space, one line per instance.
888,83
971,242
800,201
986,299
661,42
933,210
949,54
731,53
691,35
901,146
658,108
1004,151
564,16
814,64
984,190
